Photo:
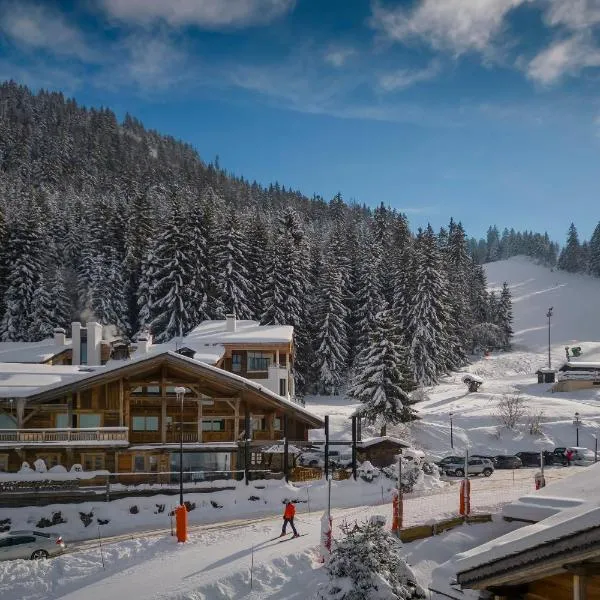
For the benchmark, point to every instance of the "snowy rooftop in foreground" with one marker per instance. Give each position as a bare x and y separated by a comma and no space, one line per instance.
386,438
576,490
565,523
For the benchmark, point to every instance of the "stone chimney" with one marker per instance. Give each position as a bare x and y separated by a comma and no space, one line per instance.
230,323
144,341
76,342
94,343
60,336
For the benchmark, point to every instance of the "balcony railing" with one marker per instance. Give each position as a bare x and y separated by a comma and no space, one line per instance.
86,436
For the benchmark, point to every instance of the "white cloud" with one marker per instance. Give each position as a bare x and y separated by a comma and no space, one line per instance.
208,14
40,27
567,56
337,57
574,14
404,78
455,25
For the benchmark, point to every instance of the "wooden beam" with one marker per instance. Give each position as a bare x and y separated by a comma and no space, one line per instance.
24,420
236,423
121,402
20,412
579,587
200,420
163,420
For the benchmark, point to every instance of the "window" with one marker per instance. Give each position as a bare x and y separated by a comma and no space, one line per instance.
3,463
259,361
139,463
153,464
277,423
213,425
93,462
283,387
90,420
144,423
7,421
258,424
23,539
236,362
256,458
153,389
61,420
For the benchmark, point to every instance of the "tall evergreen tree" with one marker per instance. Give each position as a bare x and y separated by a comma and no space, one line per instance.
570,257
428,316
505,315
594,263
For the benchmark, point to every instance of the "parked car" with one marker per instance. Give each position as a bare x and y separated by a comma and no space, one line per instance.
30,545
503,461
450,460
582,457
485,456
476,466
316,458
532,459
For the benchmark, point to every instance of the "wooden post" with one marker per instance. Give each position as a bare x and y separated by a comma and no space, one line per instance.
20,412
121,402
579,587
70,410
236,420
127,408
200,417
326,446
163,420
354,447
247,434
286,464
269,418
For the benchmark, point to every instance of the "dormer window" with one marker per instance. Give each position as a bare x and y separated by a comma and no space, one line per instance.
259,361
236,362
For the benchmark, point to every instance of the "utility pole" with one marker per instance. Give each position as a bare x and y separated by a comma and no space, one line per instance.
549,315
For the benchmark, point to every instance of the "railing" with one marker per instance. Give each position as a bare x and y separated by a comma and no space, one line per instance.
42,436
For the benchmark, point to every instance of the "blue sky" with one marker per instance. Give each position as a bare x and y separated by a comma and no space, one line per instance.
484,110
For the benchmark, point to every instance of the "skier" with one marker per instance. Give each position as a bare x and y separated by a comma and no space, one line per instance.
288,517
569,455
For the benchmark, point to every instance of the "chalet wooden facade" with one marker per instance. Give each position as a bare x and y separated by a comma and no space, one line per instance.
126,418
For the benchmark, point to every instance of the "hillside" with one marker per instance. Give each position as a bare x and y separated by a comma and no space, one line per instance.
475,424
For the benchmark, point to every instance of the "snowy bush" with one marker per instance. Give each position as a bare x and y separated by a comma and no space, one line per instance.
25,468
76,468
535,421
57,469
40,465
367,472
511,410
366,565
419,395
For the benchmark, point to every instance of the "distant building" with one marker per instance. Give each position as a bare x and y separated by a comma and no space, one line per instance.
577,376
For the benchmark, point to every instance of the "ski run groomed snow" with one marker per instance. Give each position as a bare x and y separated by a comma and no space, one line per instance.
216,563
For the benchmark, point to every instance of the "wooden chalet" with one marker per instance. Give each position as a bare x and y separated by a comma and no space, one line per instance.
125,417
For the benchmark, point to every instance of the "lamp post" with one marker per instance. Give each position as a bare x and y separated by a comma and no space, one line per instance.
577,422
180,394
549,315
451,432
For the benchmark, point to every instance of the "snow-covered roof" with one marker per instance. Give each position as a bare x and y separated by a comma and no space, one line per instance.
566,493
564,524
19,380
31,352
279,449
472,377
572,365
378,440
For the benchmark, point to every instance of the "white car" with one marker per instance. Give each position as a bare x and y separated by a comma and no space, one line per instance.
582,457
30,545
477,466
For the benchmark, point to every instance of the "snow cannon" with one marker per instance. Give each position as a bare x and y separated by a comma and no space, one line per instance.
473,382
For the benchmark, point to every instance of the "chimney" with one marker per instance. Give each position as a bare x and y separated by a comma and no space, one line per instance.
94,343
76,342
230,324
60,336
144,341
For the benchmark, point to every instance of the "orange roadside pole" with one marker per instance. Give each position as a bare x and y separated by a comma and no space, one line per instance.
395,512
181,517
465,497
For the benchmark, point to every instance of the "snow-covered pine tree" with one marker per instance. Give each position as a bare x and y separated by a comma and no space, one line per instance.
286,272
505,315
144,292
381,379
428,314
236,287
331,341
25,260
368,300
42,313
594,263
570,257
257,241
62,307
172,291
367,565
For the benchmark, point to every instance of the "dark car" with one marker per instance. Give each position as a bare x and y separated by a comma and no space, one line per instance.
532,459
503,461
449,460
484,456
559,455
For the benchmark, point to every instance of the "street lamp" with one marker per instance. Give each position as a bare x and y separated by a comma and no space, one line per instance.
549,315
180,393
577,422
451,432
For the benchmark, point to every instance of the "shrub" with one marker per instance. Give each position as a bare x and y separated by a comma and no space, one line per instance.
103,521
160,508
215,504
86,518
134,510
511,410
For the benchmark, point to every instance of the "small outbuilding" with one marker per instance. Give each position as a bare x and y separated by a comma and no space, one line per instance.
472,381
546,375
380,451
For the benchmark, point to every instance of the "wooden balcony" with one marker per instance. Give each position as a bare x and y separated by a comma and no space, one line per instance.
101,436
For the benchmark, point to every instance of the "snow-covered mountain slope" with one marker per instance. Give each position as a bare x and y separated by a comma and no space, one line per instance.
576,321
575,298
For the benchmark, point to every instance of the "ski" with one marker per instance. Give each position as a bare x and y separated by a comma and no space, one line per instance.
292,538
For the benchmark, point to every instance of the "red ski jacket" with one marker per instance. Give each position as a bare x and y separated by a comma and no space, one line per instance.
290,511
